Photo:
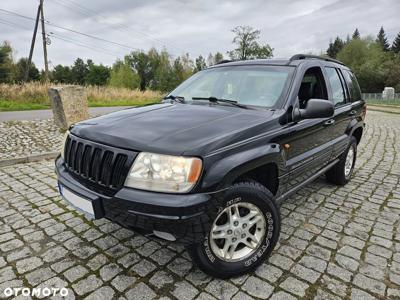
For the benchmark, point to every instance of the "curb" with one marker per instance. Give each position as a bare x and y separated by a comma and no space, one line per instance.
383,110
27,159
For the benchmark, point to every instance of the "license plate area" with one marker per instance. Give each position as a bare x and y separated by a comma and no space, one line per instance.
82,204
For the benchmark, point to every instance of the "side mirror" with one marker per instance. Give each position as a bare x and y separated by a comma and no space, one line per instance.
315,108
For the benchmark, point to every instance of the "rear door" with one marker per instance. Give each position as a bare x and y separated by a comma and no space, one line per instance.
339,95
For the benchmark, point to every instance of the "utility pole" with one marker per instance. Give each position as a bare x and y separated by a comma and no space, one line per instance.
46,66
32,45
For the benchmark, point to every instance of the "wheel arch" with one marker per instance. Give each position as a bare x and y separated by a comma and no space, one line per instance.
263,164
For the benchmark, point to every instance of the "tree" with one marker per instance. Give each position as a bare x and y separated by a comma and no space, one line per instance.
381,39
396,44
121,75
145,64
97,75
20,70
246,39
213,59
6,64
356,34
335,47
79,71
368,61
61,74
200,64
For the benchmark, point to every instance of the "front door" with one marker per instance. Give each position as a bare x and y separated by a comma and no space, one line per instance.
307,149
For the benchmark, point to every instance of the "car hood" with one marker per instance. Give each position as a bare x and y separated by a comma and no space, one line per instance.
173,128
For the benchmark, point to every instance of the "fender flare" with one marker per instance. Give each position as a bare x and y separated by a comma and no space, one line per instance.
223,172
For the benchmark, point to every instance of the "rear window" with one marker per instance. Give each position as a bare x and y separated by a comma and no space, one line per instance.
352,85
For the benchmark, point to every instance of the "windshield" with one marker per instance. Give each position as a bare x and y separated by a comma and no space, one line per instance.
249,85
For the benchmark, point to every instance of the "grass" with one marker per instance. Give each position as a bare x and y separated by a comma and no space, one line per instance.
395,102
34,96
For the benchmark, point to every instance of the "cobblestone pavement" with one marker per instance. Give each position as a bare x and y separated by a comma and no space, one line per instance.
22,138
335,242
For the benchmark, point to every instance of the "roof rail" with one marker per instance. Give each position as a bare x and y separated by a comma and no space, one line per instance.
224,61
306,56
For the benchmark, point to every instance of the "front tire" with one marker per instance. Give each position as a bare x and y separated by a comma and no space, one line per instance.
340,173
244,231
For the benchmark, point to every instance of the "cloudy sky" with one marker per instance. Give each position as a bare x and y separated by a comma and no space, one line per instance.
196,27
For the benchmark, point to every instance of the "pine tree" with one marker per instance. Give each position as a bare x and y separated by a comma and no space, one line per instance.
335,47
356,34
396,44
381,39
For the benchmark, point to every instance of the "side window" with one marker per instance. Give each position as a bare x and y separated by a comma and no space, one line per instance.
312,86
352,84
338,95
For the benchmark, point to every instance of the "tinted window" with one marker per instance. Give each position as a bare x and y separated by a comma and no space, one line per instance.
352,84
256,85
338,95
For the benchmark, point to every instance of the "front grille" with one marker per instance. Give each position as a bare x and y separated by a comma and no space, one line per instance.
98,167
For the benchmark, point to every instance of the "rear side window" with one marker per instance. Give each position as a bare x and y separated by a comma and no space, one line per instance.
338,95
352,84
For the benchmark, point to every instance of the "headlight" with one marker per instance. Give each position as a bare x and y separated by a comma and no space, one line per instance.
63,144
164,173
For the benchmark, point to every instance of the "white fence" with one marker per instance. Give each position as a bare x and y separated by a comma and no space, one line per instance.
377,98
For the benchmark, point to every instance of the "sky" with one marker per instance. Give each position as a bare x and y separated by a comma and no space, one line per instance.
188,26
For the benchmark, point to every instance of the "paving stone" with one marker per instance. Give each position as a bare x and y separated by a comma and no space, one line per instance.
305,273
346,262
350,251
160,279
39,275
180,266
369,284
282,296
109,271
75,273
357,294
257,288
314,263
103,293
221,289
28,264
184,290
143,267
268,272
294,286
141,291
339,272
87,285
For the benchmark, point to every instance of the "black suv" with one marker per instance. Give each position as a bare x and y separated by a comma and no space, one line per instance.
210,165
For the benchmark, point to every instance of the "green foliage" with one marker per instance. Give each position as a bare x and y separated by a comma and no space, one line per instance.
121,75
356,34
396,44
6,66
79,71
97,75
247,45
200,64
335,47
368,61
381,39
61,74
20,70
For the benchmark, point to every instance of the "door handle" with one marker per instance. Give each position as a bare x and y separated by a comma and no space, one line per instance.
353,113
329,122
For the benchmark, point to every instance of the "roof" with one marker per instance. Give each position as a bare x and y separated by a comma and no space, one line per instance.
293,61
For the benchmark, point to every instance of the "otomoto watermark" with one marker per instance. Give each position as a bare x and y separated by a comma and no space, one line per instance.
35,292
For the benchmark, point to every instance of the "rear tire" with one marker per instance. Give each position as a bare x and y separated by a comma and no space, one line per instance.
340,173
244,231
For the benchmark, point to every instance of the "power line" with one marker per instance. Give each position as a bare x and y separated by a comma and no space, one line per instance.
74,31
89,12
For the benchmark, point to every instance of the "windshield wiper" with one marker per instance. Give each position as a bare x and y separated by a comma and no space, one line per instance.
179,99
216,100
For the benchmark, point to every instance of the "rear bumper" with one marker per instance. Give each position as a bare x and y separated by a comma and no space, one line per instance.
185,216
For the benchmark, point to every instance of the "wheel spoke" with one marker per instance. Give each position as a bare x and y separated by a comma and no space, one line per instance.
249,244
219,231
231,250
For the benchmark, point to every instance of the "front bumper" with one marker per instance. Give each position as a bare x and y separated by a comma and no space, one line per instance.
185,216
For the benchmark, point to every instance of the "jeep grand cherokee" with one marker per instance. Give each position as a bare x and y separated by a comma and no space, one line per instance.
210,165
